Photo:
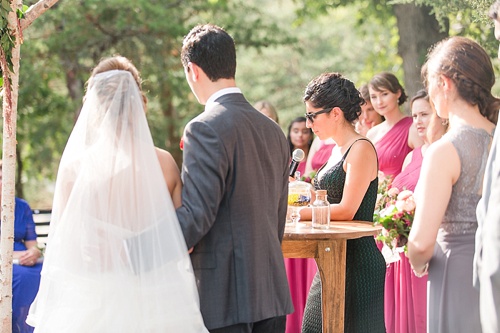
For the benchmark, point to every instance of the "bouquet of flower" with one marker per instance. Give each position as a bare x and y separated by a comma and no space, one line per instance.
383,197
394,212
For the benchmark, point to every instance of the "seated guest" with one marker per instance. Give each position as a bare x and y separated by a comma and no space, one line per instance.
26,268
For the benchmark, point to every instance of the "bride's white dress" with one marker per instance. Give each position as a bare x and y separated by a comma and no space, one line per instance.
116,260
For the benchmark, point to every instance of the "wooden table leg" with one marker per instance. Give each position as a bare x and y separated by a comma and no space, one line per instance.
331,261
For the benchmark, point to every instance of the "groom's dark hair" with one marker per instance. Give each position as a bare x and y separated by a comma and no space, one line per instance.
212,49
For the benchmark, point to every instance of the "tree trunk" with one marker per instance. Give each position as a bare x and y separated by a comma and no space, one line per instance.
11,82
418,31
10,94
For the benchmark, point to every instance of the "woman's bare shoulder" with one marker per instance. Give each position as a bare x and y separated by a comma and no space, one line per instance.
164,156
167,163
171,174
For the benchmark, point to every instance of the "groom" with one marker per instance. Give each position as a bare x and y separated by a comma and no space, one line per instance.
234,199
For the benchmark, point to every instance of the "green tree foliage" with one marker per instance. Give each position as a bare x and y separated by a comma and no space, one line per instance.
477,9
464,18
341,41
63,45
281,45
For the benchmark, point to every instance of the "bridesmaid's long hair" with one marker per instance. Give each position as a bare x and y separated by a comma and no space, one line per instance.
468,65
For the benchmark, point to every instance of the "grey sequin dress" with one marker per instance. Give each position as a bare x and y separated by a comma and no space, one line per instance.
365,269
453,303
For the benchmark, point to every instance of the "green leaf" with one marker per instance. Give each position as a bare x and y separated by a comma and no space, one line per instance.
22,12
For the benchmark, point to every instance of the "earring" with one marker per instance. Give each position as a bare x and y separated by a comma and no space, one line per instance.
445,122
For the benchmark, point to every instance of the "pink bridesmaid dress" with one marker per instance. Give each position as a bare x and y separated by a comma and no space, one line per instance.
392,149
300,273
322,155
409,312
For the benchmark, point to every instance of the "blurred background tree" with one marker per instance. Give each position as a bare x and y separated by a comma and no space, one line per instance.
281,45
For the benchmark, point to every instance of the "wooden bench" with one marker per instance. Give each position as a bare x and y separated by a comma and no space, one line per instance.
42,222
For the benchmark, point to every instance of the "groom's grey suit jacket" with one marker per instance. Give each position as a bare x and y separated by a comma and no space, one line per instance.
234,202
487,256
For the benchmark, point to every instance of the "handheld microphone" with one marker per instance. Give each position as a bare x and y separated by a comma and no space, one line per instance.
297,157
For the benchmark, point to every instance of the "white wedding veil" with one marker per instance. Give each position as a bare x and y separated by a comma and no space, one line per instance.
116,259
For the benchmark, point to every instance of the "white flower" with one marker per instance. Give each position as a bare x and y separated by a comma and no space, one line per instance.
403,195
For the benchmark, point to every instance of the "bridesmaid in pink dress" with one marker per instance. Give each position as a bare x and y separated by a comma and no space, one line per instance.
393,139
410,291
300,272
300,137
368,117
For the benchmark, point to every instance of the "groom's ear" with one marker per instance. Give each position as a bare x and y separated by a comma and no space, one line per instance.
194,71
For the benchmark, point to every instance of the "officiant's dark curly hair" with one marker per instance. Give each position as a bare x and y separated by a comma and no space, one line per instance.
212,49
330,90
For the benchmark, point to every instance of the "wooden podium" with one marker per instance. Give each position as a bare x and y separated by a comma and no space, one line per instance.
328,248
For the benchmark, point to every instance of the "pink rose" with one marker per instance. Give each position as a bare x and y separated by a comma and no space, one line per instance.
398,215
409,205
393,191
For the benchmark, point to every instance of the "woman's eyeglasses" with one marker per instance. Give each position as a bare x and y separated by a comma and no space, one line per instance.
311,115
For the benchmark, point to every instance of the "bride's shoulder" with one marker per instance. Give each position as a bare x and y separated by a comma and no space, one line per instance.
171,174
167,161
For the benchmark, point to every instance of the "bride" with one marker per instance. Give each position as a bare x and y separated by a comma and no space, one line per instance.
116,259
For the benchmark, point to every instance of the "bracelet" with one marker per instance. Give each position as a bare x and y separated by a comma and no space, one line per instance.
423,273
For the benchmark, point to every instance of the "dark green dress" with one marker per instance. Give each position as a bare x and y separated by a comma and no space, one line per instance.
365,269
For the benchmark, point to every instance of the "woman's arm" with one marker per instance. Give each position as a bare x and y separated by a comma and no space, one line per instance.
440,170
171,174
361,168
30,256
